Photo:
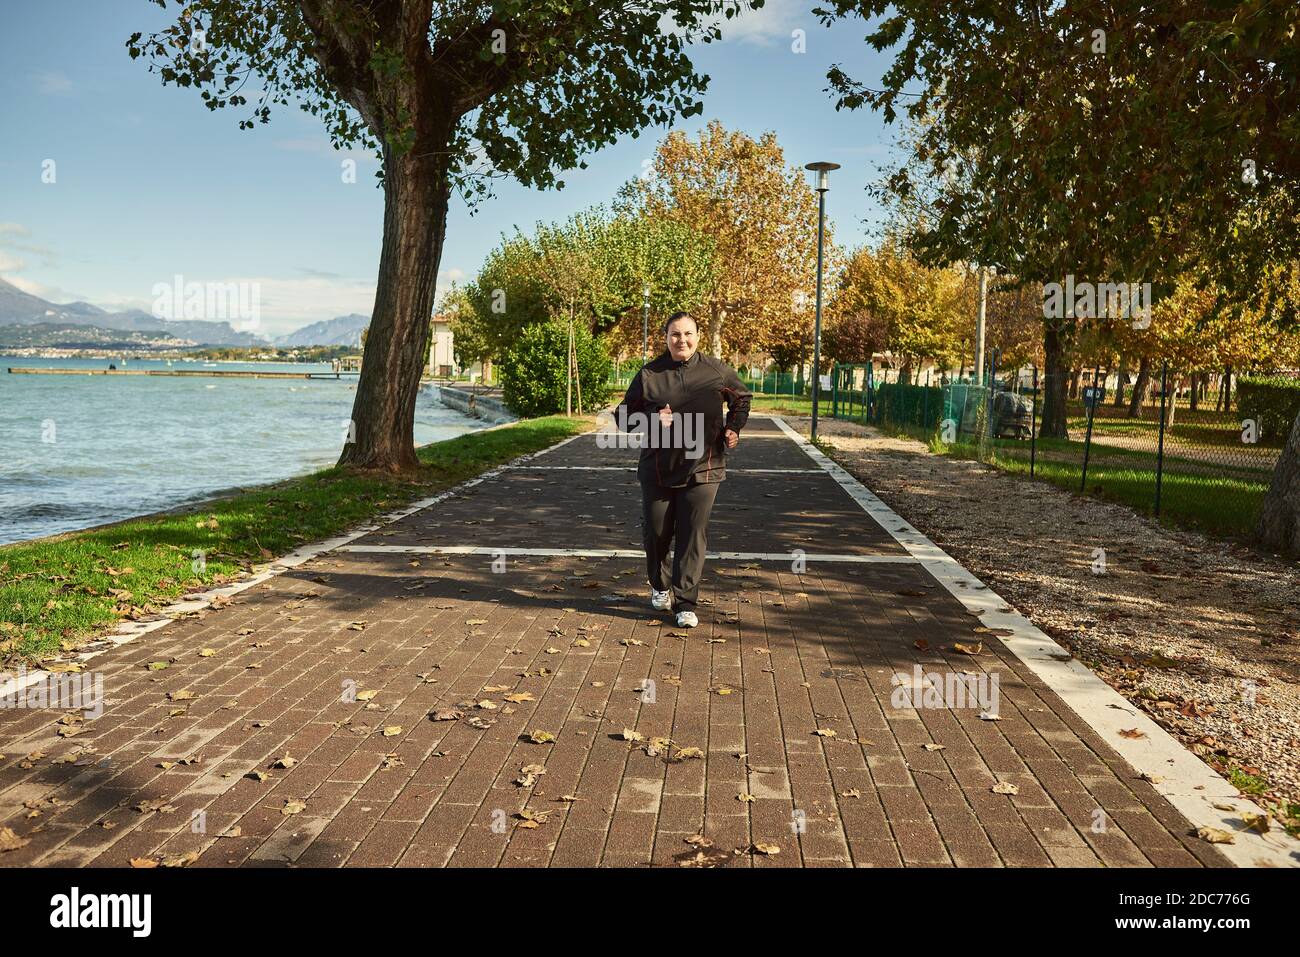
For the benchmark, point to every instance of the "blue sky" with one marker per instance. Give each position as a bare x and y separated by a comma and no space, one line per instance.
150,184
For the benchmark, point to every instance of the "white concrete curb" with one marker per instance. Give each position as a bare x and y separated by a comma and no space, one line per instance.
1188,783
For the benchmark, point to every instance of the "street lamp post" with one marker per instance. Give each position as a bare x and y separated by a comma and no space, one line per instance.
979,325
821,169
645,323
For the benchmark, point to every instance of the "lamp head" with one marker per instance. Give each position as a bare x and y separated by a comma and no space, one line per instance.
821,169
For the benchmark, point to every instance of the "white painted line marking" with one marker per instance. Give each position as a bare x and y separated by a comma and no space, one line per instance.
1188,783
196,601
619,553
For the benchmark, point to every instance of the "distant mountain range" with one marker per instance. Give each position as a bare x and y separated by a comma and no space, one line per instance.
341,331
59,322
63,335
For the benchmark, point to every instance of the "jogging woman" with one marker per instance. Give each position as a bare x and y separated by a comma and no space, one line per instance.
683,458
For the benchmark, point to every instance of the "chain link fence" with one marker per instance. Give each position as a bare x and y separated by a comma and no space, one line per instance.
1196,448
856,395
760,383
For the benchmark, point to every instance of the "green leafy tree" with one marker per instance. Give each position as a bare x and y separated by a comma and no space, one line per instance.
440,90
468,338
886,301
672,260
1118,141
597,264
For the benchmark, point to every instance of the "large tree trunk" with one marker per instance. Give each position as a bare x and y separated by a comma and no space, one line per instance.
1279,516
1054,385
1140,388
1227,389
415,222
1121,380
717,316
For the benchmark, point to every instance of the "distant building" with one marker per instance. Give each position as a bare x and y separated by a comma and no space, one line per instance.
442,358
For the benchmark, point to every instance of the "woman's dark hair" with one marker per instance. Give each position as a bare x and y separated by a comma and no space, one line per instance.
679,315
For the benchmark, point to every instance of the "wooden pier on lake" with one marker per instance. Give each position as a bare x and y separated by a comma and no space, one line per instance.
221,373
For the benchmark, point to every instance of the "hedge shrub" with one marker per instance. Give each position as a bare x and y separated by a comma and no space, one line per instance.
534,371
1272,401
899,404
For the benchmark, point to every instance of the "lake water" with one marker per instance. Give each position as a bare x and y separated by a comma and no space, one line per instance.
77,451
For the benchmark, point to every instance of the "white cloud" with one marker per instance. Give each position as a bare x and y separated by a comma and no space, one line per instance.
771,24
34,288
53,83
321,146
285,304
10,263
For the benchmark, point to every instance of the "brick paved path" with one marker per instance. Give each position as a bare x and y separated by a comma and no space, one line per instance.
779,655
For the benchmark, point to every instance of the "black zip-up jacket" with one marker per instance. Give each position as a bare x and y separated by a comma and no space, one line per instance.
700,384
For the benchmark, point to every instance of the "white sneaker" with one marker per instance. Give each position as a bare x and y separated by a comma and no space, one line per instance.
660,600
687,619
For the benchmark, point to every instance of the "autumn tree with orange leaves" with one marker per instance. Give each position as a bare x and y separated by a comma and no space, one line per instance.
761,215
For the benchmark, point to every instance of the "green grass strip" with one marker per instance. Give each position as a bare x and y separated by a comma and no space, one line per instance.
56,593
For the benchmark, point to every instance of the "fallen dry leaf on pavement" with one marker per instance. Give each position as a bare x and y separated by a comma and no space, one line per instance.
1215,836
9,841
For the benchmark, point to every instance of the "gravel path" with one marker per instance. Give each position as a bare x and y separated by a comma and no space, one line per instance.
1201,634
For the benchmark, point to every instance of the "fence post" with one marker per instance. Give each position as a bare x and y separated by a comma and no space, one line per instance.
925,402
1087,442
1033,426
835,390
990,426
871,399
1160,448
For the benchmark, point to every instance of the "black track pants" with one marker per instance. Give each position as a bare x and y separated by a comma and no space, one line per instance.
683,514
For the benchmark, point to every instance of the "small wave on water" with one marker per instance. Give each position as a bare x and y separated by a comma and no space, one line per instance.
48,510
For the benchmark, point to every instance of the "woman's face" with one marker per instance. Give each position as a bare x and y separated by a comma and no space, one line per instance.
682,339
